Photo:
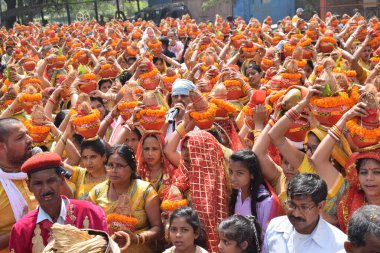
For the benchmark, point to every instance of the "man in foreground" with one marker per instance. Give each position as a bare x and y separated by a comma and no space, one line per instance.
45,178
303,229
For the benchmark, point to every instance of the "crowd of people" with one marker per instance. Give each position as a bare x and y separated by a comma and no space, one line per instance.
185,137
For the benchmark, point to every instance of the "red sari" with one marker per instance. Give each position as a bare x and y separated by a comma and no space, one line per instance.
205,181
354,197
164,182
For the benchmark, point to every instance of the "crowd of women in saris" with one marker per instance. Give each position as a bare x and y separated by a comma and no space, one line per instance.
221,127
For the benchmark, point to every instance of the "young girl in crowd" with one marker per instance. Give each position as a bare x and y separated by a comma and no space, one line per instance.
239,234
251,195
185,232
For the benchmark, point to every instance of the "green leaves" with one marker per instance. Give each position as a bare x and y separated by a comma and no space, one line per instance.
326,91
82,70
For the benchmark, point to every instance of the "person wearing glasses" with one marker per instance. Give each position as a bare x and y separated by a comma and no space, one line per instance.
302,229
128,198
298,156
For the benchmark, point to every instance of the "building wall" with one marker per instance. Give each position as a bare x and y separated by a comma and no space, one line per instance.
260,9
223,8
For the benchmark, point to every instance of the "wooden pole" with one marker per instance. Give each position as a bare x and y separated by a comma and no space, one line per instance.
323,9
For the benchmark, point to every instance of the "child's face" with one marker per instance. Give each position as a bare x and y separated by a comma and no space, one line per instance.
239,175
228,246
182,235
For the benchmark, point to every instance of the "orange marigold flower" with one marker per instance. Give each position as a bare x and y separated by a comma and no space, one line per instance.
35,129
149,74
124,105
209,114
81,120
223,104
29,97
229,83
168,205
291,75
328,102
355,129
328,39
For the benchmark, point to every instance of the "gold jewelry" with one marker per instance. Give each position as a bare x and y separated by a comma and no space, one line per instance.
181,130
63,141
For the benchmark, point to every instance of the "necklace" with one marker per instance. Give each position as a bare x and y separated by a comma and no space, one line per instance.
90,179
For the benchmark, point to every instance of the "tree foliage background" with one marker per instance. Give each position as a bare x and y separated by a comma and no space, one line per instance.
56,10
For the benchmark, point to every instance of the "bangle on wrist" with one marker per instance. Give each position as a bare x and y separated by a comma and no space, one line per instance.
333,135
181,130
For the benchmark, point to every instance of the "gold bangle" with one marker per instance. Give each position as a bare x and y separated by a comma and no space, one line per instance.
138,239
143,239
181,130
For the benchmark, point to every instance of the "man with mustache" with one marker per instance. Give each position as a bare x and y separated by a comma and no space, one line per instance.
15,198
303,229
45,178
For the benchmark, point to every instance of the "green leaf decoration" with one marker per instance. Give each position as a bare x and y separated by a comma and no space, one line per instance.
337,62
7,73
94,45
326,91
60,52
218,33
82,70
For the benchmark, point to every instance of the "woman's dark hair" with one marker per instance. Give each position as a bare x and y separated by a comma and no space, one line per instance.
97,145
218,134
60,117
249,161
240,229
137,132
125,152
252,65
78,138
310,63
156,59
103,81
98,100
192,219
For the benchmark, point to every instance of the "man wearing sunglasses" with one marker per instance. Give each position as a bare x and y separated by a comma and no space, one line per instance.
303,229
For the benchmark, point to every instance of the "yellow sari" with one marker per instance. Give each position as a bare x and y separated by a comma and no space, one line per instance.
81,188
139,192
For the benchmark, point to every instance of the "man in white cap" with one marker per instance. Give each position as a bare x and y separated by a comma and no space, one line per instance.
178,102
298,15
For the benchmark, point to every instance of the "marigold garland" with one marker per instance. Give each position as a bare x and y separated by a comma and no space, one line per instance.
124,105
374,41
211,111
132,51
328,39
304,43
149,74
150,112
229,83
288,47
291,75
237,37
276,96
249,49
214,79
267,62
249,110
29,97
129,220
169,79
86,119
301,63
168,205
31,80
88,76
223,104
35,129
329,102
375,59
354,128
